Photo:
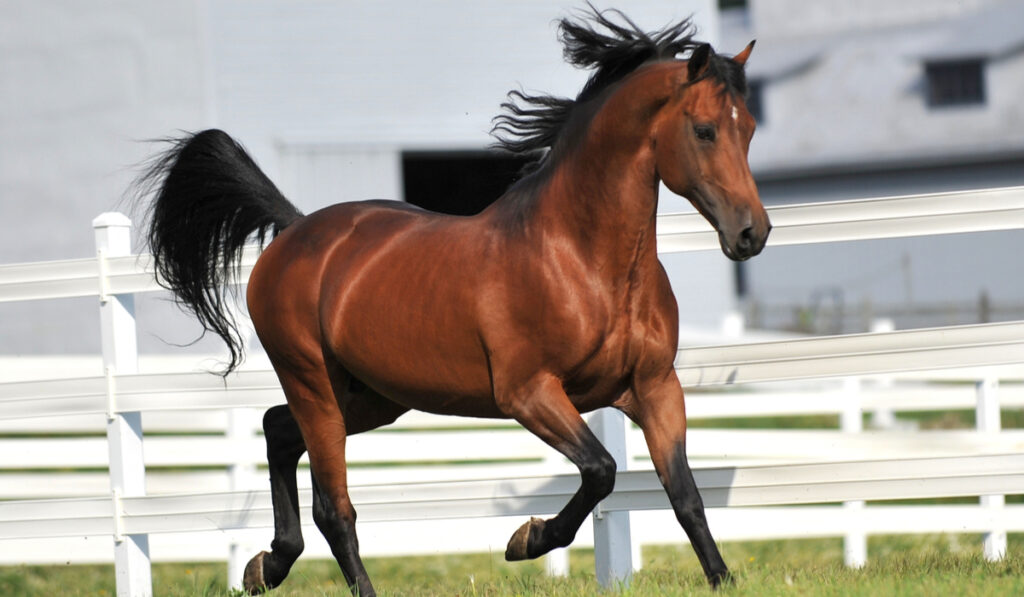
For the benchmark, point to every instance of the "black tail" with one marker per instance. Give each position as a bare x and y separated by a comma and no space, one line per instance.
210,200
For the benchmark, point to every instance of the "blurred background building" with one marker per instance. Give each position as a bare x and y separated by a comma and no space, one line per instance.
343,101
873,98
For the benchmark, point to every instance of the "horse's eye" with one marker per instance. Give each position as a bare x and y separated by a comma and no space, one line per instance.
704,132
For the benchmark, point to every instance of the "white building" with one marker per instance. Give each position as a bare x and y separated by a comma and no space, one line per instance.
343,101
337,101
863,98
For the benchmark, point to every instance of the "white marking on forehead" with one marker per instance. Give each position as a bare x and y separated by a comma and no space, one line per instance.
735,113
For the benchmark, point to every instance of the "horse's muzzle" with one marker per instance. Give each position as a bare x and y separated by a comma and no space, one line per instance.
749,241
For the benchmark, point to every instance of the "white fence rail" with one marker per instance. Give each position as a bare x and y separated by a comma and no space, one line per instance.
752,468
918,215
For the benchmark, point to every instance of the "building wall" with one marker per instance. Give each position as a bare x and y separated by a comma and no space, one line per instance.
795,18
310,77
82,86
860,97
328,95
325,94
847,117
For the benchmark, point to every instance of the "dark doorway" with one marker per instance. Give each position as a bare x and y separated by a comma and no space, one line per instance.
460,183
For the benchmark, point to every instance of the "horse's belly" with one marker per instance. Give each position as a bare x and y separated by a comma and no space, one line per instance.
405,325
440,401
421,370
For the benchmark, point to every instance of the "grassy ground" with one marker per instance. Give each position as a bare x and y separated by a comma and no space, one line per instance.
899,566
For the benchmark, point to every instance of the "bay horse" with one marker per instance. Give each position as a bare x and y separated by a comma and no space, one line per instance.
549,303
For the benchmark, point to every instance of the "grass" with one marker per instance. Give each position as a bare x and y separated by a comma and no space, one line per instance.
899,566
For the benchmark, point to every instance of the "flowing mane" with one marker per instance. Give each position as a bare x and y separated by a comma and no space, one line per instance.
532,124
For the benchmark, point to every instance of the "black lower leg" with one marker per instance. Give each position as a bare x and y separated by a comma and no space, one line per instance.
284,448
340,532
689,509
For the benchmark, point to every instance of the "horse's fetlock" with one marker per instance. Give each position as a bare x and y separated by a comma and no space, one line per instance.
558,535
289,548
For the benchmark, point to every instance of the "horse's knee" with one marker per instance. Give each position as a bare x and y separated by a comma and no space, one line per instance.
599,473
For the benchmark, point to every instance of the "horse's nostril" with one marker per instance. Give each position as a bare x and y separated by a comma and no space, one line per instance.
747,237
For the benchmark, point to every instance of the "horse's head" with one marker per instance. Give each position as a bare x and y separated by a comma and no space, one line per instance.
701,138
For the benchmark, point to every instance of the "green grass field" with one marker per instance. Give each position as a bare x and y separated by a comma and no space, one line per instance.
900,566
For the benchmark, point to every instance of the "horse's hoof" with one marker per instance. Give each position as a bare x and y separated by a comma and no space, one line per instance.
721,580
252,578
518,545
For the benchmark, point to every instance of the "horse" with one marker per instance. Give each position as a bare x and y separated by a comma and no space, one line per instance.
549,303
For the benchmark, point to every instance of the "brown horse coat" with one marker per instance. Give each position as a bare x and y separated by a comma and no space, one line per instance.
549,303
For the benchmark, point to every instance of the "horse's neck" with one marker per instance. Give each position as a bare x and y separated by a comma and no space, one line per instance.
604,198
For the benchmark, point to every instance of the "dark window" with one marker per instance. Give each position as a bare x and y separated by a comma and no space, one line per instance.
955,83
461,183
755,100
727,4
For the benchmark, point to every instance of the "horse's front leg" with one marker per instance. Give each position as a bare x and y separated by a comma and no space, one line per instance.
542,407
657,407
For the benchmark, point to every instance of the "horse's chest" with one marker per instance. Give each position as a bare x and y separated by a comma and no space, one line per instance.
617,346
602,376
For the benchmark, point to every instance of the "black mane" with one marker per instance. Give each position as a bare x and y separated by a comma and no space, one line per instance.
532,124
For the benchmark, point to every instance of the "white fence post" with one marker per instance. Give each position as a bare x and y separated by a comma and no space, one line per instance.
613,554
242,474
855,542
556,562
989,420
883,417
124,430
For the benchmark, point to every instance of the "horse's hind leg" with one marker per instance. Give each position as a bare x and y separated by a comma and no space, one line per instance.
543,408
365,410
312,402
658,409
284,448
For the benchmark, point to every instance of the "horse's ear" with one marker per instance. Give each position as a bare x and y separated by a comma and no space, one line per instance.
698,60
741,58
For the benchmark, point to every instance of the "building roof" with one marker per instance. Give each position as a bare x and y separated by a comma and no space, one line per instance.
857,97
992,32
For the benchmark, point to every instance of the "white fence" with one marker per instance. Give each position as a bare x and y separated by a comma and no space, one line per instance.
226,508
